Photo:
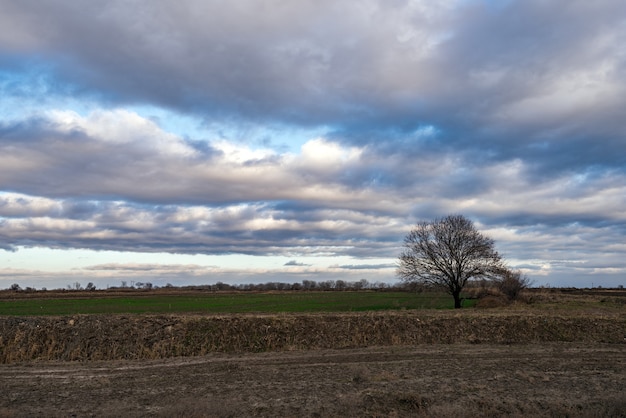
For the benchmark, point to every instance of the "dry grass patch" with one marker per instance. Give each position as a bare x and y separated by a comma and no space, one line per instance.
127,337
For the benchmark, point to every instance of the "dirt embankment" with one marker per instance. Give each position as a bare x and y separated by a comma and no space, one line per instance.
118,337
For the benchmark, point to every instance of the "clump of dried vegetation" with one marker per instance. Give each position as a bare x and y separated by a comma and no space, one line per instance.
509,289
112,337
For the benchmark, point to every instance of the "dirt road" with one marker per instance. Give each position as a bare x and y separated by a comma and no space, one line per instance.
553,379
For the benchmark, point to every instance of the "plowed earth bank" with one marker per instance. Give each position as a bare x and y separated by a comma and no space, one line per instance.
135,337
550,379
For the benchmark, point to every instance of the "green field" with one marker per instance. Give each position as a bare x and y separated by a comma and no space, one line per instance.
226,303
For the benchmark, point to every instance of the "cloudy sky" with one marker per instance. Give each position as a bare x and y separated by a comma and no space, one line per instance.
264,140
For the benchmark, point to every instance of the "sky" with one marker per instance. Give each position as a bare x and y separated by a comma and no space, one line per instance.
251,141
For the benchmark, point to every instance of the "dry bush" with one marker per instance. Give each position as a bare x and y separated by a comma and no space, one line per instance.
512,284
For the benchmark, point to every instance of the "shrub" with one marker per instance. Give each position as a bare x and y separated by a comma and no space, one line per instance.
512,283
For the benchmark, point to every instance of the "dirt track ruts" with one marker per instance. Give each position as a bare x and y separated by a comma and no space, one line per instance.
554,379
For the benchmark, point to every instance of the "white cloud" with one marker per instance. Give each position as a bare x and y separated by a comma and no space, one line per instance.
321,154
121,127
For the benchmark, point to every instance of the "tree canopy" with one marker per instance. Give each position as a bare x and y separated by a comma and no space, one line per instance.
447,253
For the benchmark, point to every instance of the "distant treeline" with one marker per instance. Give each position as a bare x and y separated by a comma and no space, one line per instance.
305,285
473,288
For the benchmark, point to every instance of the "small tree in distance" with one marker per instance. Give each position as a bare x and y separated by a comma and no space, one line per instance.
447,253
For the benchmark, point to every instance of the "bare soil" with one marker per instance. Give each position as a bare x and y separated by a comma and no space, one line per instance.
576,379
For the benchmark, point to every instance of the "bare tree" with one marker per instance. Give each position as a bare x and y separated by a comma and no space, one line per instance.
446,253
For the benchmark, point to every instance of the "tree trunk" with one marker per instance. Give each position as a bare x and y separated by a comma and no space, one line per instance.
457,299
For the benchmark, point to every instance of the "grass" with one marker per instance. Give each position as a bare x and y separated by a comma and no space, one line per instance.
297,302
